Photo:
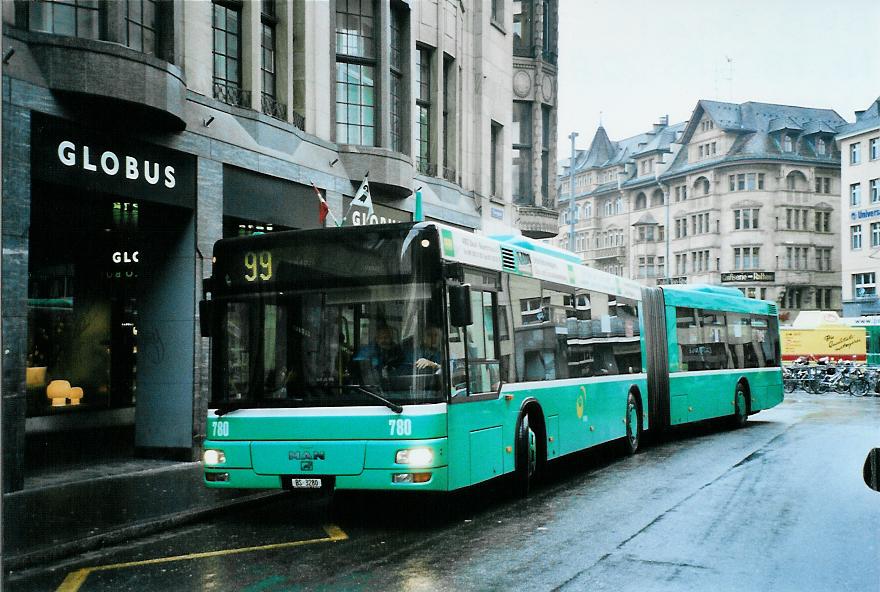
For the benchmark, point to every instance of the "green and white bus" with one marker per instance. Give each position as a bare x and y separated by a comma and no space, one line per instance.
530,356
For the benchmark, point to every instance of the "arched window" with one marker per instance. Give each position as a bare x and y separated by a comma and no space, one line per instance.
618,206
796,181
641,201
657,198
702,186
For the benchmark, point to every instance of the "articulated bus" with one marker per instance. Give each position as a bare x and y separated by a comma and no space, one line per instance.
530,356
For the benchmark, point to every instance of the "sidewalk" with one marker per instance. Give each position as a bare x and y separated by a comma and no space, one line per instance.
50,520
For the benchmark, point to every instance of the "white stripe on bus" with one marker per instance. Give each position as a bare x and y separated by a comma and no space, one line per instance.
724,371
543,384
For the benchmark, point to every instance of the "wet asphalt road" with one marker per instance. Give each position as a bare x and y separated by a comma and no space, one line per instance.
778,505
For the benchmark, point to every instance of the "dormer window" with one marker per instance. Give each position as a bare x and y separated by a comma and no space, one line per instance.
788,143
820,147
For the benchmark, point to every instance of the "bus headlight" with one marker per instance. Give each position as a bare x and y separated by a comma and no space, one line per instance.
415,457
214,457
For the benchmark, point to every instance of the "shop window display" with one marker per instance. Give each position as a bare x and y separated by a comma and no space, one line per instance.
82,304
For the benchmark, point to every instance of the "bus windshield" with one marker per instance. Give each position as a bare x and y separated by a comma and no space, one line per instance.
332,337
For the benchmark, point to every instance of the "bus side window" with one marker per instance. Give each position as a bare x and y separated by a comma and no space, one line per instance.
480,370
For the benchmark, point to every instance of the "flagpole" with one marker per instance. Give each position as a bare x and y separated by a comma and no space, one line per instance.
324,201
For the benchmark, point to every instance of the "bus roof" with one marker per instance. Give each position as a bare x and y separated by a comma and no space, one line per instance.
518,255
721,298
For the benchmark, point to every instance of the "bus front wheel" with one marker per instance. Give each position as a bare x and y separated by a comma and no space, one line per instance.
526,457
741,407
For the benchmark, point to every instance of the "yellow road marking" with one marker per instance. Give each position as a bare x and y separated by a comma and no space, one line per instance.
75,579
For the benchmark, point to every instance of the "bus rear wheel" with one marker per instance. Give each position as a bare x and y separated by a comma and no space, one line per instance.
740,407
633,425
526,458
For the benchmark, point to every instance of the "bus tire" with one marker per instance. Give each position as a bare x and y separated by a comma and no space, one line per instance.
633,425
740,406
526,457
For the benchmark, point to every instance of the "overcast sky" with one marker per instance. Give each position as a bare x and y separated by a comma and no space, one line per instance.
635,60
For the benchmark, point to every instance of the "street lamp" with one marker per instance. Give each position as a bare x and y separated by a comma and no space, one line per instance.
571,205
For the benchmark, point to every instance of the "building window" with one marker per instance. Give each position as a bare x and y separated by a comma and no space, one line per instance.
855,237
681,228
746,258
823,184
546,166
269,96
355,73
746,182
823,298
681,193
423,110
874,148
823,221
681,264
855,194
823,258
141,22
522,152
73,18
396,80
796,219
227,55
641,201
864,285
874,185
588,210
875,234
646,267
788,144
820,146
796,257
498,11
794,297
495,157
522,28
746,219
449,119
855,153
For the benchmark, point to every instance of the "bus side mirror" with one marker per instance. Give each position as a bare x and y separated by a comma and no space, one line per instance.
460,306
872,469
206,316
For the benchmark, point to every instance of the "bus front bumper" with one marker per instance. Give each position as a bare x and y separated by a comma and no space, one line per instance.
369,465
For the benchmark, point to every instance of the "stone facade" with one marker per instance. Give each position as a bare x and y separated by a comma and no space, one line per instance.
744,195
859,145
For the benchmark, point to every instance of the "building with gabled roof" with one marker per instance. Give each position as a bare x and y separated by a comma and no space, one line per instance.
740,194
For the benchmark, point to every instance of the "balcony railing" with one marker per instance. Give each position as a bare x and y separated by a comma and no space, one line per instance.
426,168
273,107
450,174
609,252
232,95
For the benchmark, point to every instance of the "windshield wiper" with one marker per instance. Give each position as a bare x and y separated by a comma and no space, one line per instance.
393,406
230,406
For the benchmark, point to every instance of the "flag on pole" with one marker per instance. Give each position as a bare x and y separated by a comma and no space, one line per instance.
323,208
361,199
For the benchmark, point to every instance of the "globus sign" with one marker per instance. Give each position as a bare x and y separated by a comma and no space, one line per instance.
66,154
